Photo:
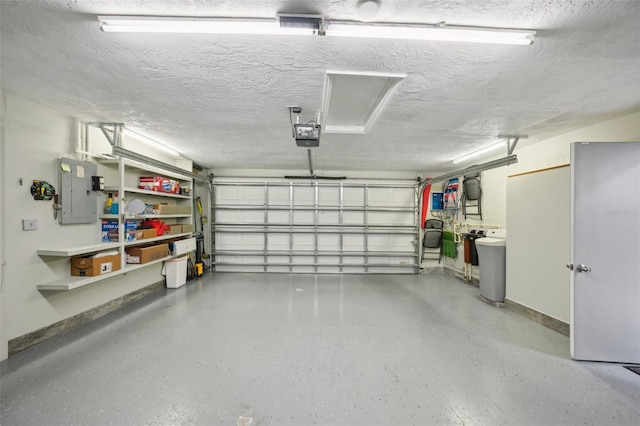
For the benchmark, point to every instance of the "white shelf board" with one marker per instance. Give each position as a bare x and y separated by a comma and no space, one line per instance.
70,283
78,250
146,192
108,216
147,168
151,216
150,240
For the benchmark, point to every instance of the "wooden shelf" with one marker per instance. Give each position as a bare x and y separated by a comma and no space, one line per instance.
78,250
70,283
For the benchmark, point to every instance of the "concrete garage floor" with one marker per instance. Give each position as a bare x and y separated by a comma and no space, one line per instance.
304,350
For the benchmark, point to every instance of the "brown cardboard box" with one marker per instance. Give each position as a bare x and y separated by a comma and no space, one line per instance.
175,229
187,228
171,209
147,254
142,234
93,266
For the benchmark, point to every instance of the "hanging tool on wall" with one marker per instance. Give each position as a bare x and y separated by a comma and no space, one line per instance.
200,251
42,190
203,219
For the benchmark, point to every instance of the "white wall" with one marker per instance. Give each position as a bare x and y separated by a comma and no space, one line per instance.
548,153
539,246
35,136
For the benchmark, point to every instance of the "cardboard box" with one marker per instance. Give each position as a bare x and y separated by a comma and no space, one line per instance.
147,254
171,209
109,230
94,265
187,228
175,229
142,234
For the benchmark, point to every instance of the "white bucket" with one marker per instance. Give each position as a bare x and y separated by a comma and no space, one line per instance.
176,271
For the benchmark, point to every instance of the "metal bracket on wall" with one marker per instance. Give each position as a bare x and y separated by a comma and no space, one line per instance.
512,141
111,131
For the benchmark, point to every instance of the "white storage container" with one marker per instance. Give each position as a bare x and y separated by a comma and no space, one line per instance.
176,271
183,246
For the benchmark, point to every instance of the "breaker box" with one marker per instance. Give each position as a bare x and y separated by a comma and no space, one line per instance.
78,200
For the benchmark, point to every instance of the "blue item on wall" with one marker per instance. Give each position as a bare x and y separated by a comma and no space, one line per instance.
436,201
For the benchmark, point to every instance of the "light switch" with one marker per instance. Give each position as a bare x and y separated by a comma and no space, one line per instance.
29,224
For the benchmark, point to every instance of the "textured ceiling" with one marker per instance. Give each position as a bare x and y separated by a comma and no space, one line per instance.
221,99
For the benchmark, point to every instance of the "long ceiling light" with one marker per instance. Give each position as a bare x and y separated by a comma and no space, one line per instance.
285,24
314,25
431,32
150,142
479,153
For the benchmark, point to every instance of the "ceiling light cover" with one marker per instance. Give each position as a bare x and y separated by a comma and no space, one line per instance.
479,153
436,33
160,24
150,142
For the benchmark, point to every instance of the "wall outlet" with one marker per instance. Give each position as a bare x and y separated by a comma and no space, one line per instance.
29,224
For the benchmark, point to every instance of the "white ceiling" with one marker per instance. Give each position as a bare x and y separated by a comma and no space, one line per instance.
221,99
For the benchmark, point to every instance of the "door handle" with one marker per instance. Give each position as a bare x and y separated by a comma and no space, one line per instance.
583,268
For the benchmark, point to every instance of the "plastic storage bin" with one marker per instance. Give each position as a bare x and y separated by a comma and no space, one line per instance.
176,272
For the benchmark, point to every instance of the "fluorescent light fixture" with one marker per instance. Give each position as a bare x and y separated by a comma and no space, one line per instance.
511,159
479,153
430,32
166,24
293,24
150,142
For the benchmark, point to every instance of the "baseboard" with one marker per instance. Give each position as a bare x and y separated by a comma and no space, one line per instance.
30,339
544,319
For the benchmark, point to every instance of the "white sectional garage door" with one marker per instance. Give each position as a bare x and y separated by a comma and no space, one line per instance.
315,227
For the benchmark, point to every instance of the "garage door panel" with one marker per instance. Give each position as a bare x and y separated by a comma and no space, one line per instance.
353,218
304,195
303,260
329,218
278,195
303,242
329,196
394,218
333,227
276,216
278,242
306,217
329,242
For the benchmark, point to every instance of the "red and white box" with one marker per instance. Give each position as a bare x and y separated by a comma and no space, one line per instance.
159,183
150,183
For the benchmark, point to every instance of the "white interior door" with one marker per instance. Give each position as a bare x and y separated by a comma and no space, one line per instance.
605,280
3,317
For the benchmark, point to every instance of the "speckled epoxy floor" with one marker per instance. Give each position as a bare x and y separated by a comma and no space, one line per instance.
304,349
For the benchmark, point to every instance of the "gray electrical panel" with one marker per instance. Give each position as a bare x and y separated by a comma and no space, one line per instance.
79,203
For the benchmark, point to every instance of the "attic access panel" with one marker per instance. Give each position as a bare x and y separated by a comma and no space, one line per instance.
354,100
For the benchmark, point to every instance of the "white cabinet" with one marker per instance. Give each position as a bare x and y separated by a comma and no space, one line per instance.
121,176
